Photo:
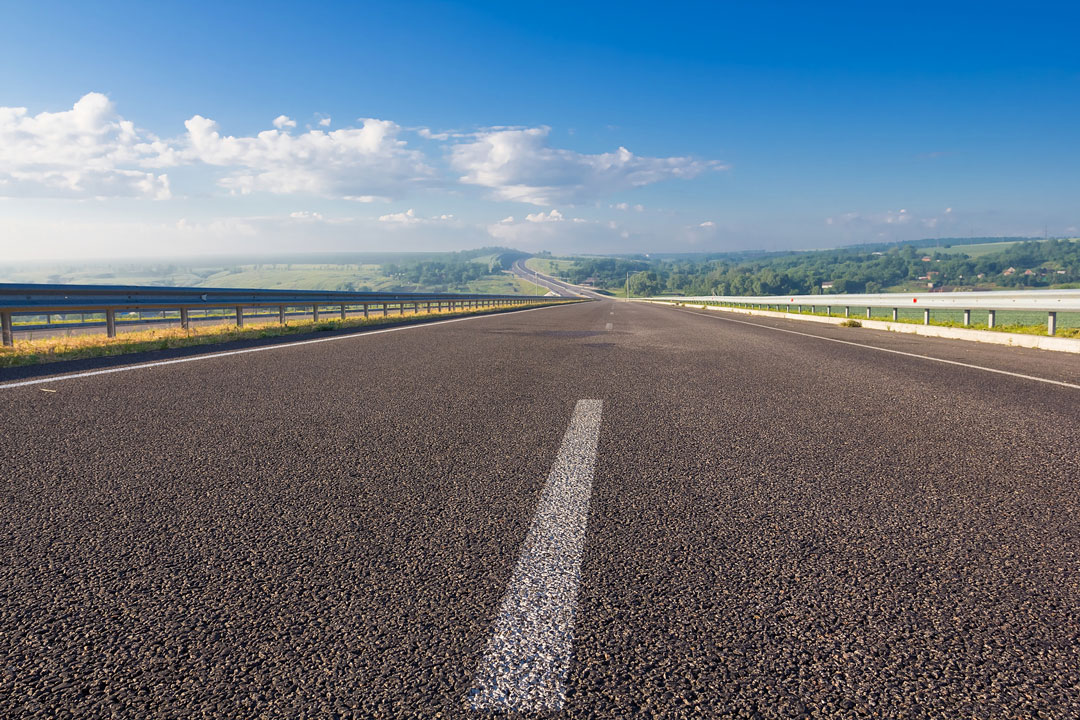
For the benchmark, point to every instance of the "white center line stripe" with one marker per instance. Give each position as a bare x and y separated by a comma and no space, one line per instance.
528,656
608,326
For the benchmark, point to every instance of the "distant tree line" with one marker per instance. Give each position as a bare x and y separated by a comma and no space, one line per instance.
451,269
1027,263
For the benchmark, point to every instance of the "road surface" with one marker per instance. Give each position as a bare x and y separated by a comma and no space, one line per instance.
601,510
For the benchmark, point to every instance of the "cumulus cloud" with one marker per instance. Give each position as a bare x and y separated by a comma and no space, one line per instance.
553,229
351,162
553,216
284,121
409,217
87,151
517,164
325,122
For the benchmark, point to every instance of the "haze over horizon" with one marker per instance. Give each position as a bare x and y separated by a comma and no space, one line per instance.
131,130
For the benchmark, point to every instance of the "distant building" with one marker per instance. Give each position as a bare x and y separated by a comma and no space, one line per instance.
826,286
926,259
1009,271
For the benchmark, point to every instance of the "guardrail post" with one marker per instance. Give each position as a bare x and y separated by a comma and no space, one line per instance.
315,313
367,309
991,318
184,323
384,310
847,312
342,312
895,314
239,316
110,323
868,313
926,316
967,318
5,328
1051,323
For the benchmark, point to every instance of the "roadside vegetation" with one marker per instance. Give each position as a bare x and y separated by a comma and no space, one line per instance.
1016,321
79,347
968,264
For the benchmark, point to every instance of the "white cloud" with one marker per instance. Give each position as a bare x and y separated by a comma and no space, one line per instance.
305,215
409,217
87,151
428,135
707,224
516,164
325,122
366,198
551,230
284,121
351,162
553,216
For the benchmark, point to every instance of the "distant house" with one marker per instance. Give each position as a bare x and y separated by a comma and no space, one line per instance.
1009,271
981,275
1029,272
1060,272
927,258
826,285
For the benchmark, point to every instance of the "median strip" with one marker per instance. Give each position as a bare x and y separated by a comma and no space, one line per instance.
528,656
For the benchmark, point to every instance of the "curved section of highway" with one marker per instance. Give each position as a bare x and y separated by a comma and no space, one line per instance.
554,285
599,510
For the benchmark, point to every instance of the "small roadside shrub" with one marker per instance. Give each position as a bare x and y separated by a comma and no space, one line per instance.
851,323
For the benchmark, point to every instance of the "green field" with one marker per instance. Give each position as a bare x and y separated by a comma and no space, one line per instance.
974,250
548,266
288,276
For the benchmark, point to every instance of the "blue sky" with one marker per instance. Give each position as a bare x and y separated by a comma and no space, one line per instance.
164,129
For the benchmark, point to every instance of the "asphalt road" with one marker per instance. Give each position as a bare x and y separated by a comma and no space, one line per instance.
736,522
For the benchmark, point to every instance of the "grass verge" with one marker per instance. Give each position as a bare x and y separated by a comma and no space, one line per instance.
81,347
1025,323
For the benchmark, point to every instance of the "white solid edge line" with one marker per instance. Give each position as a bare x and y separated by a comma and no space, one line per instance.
528,656
280,346
894,352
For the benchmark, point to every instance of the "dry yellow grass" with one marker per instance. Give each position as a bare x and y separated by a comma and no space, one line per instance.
77,347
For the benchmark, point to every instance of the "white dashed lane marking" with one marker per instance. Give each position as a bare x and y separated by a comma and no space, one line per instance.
528,656
608,326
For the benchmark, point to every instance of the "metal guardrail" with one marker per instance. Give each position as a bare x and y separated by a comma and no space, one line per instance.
35,299
1049,301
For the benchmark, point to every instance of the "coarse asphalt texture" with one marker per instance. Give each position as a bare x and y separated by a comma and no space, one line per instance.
779,527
